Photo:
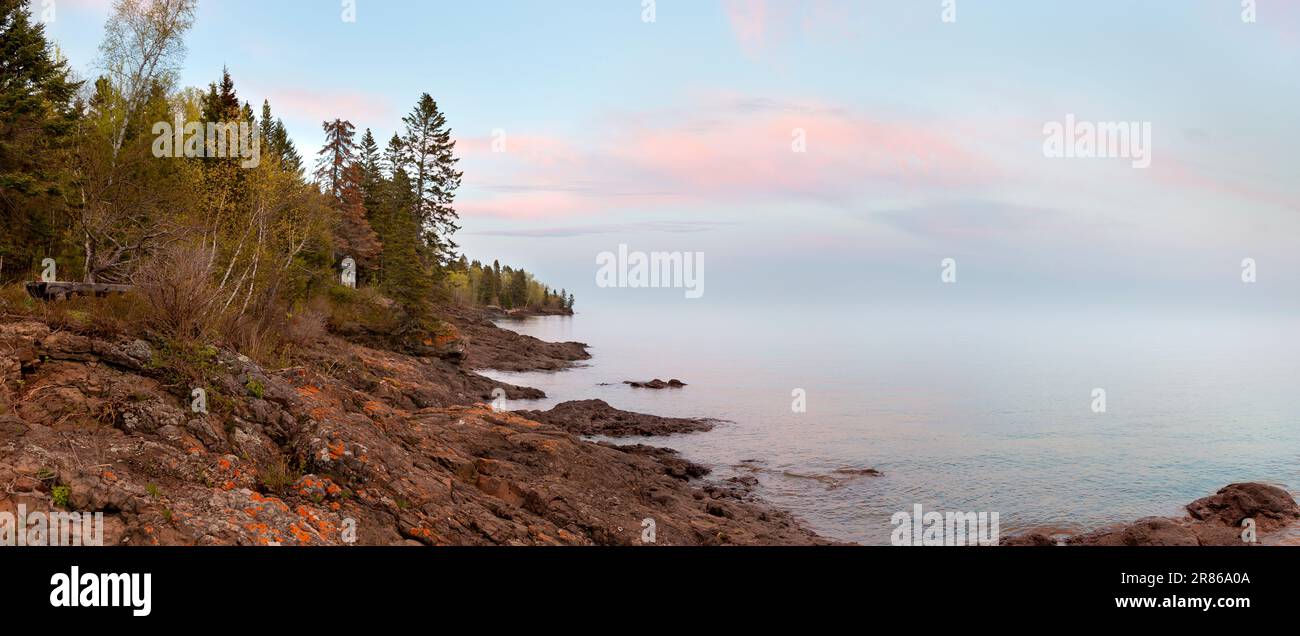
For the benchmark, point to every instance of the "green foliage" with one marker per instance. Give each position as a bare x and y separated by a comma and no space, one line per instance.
279,474
255,388
434,178
186,365
472,283
220,254
59,495
360,311
37,117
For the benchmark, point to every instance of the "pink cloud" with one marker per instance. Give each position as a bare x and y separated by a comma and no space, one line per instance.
529,205
759,25
317,106
722,150
749,21
1187,176
546,150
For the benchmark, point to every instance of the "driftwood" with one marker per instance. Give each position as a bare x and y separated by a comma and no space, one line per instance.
64,290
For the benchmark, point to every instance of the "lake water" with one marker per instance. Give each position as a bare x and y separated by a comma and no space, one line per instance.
981,412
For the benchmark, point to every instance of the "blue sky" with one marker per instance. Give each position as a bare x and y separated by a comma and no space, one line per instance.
924,137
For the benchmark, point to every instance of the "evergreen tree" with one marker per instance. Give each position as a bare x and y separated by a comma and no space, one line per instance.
338,153
435,177
36,120
397,157
404,278
266,129
519,289
289,157
222,103
354,235
369,160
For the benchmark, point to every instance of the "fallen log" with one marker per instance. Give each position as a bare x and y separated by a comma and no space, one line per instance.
60,290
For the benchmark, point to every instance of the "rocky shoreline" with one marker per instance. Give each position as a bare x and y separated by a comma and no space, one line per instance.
1221,519
353,445
490,347
370,446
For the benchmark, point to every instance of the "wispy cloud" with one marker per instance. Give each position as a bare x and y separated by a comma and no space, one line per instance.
761,25
669,227
317,105
719,150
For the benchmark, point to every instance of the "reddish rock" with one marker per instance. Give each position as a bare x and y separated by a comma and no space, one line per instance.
1269,506
597,417
1213,521
354,444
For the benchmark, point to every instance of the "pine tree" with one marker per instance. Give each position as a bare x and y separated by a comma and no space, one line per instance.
397,157
404,278
266,129
222,103
339,153
289,157
369,160
433,163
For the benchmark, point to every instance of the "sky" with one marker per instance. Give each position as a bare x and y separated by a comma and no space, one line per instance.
922,137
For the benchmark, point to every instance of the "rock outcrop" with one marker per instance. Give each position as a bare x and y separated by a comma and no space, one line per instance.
352,445
655,384
1217,520
597,417
487,346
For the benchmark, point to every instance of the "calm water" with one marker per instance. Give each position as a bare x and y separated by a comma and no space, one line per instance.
985,412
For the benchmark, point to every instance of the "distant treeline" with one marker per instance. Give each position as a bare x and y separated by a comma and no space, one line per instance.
475,283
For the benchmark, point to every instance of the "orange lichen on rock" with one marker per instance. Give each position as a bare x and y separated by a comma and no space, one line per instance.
298,533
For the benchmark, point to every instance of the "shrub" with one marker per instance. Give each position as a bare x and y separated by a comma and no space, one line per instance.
15,301
59,495
178,286
360,312
277,476
305,326
112,315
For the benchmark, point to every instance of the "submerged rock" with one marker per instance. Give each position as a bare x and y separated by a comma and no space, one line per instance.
655,384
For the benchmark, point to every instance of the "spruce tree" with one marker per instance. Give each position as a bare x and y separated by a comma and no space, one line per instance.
396,157
289,157
435,177
222,103
404,278
36,120
369,161
335,157
266,128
